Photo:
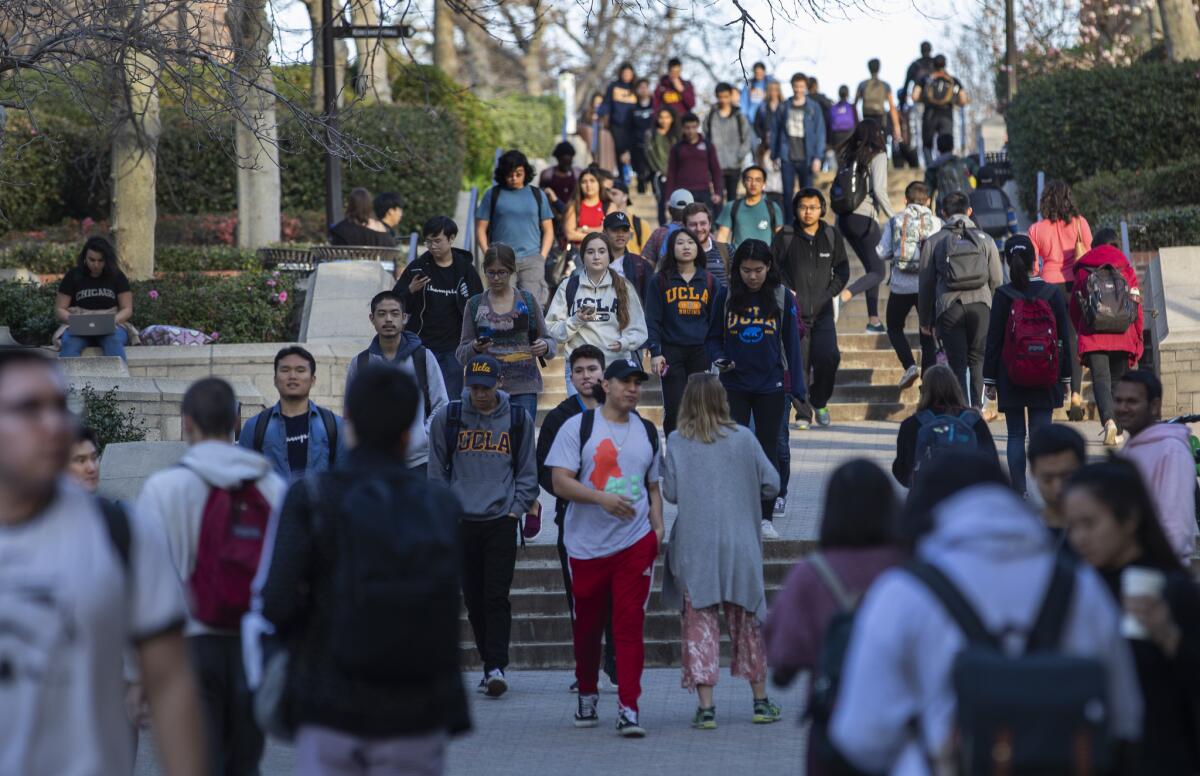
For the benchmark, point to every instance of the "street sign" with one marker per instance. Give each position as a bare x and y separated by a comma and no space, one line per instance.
374,31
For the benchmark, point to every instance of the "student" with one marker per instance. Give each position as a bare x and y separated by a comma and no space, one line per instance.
994,212
878,105
389,210
918,70
83,464
558,182
643,125
365,684
620,99
903,236
812,261
947,174
956,296
825,104
798,144
608,471
753,217
754,91
673,92
1025,363
676,204
693,164
867,148
597,306
360,226
585,209
941,397
857,543
618,228
435,288
939,93
766,122
679,312
843,118
896,699
95,285
659,142
507,323
393,346
1055,453
728,129
698,219
754,343
1111,523
517,213
217,485
485,455
617,199
295,435
1162,454
716,473
82,585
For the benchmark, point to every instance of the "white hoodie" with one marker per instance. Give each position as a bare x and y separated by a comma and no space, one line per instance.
566,328
898,665
176,496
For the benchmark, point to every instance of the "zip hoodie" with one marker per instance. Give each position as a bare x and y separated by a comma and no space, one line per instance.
418,442
176,497
1164,457
482,475
603,330
754,344
730,135
899,662
816,267
466,285
679,312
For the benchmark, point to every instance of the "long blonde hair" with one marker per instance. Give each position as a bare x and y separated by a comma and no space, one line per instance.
704,409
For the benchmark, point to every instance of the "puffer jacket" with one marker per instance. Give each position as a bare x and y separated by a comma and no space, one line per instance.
1129,341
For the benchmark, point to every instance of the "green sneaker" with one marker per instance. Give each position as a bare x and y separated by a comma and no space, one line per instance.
765,712
823,418
705,719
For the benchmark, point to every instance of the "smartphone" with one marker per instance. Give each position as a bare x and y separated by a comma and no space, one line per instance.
483,342
723,364
588,309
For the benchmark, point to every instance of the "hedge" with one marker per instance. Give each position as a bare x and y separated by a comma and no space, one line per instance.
1075,123
1127,190
530,124
1153,229
48,258
31,176
428,88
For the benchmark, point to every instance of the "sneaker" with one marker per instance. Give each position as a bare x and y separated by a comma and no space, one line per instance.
482,686
768,530
823,418
627,724
585,715
766,712
780,507
800,424
705,719
531,526
910,376
875,328
1109,433
1121,438
495,684
574,687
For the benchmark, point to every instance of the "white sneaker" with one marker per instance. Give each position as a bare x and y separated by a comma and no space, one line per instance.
1110,433
768,530
497,685
780,507
910,376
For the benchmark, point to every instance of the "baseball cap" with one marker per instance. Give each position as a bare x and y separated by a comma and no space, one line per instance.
616,220
624,368
483,370
1018,243
680,198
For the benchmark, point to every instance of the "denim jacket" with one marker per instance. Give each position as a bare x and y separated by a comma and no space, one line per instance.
275,442
814,132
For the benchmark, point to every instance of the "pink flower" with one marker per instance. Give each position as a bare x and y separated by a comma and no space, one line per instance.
215,335
86,225
275,274
283,296
270,282
153,294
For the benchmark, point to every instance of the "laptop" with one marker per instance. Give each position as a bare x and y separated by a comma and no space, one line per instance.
97,325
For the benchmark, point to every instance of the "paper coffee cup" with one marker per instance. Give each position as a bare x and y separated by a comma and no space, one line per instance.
1138,581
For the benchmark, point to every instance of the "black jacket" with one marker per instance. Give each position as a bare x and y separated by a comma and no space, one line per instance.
817,270
906,445
466,280
1012,397
566,409
298,597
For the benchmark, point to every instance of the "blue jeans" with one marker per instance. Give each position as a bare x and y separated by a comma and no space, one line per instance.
112,344
527,400
452,372
1015,420
793,173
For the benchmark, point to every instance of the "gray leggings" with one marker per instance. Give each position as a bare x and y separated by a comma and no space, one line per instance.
1107,367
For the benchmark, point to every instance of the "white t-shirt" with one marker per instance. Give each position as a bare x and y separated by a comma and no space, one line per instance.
617,458
66,620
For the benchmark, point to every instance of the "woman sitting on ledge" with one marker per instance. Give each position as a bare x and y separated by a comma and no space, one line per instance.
360,226
95,286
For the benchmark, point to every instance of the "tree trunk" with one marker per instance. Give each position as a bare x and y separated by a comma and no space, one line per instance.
255,131
373,82
134,154
445,54
1180,29
531,61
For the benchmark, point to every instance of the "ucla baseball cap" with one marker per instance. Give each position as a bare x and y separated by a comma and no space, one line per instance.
623,369
483,370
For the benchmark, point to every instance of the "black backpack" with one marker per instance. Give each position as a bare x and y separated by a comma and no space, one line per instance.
516,434
418,357
263,419
1043,711
849,189
1105,301
989,211
963,263
827,678
953,176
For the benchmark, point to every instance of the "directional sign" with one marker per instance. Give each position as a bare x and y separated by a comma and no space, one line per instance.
374,31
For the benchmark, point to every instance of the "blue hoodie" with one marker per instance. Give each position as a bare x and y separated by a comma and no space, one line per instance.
757,347
754,93
679,312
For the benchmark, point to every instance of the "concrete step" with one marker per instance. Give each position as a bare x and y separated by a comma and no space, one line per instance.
852,393
547,575
857,341
844,412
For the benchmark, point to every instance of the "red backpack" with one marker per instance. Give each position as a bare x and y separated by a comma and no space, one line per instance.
232,529
1030,353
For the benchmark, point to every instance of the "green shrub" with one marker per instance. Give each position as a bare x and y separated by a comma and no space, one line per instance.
1153,229
56,258
31,176
532,125
102,413
428,88
250,307
197,169
1075,123
27,309
1145,189
42,258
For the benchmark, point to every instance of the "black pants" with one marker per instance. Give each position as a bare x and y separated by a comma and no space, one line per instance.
730,180
1076,366
489,550
767,409
610,652
1107,367
819,349
640,166
658,183
704,197
863,235
898,308
936,121
235,744
963,329
682,362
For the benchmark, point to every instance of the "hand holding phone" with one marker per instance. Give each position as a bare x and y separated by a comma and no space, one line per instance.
722,365
482,344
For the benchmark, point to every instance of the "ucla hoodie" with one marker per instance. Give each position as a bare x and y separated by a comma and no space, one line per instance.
679,312
758,343
603,330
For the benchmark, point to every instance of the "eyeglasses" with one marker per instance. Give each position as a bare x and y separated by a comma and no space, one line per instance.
809,208
497,274
431,242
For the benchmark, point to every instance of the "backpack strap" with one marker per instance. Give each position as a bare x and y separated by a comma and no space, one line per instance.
453,424
771,214
420,365
572,291
516,434
495,195
587,421
116,523
846,600
924,416
531,323
955,604
331,432
723,252
1046,632
261,421
733,214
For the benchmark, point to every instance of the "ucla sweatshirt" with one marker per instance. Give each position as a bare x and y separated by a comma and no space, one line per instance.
679,312
758,343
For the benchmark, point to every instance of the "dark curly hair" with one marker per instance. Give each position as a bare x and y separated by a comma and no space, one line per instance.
509,161
864,144
102,246
1056,203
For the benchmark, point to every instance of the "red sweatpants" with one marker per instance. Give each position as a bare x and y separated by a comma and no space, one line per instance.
620,583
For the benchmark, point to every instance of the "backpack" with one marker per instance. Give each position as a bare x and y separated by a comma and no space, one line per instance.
1105,301
849,189
909,233
842,117
418,357
737,114
516,434
953,176
733,217
588,421
989,211
938,91
964,262
827,678
1043,711
264,419
1030,351
233,526
538,198
874,97
939,434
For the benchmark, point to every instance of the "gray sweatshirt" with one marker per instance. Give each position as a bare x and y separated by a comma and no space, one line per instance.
933,298
731,136
482,476
877,203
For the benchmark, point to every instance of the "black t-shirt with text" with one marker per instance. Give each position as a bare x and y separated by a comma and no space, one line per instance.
92,293
296,434
439,324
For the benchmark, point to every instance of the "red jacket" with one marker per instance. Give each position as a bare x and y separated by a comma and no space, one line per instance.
1131,340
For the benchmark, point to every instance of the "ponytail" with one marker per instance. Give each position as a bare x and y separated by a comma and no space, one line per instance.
1020,256
622,299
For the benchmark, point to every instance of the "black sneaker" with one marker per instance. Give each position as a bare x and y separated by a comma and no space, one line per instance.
482,686
574,687
627,724
586,716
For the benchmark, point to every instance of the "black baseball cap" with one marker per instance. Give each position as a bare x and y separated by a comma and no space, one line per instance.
616,220
624,368
1019,243
483,370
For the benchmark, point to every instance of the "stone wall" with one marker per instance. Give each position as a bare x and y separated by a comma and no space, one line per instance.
1180,373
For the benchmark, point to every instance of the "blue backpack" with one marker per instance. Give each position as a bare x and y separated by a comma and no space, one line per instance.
941,433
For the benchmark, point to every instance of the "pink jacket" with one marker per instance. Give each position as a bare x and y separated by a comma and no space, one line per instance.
1055,244
1164,457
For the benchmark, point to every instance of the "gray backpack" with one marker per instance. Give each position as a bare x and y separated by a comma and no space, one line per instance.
964,262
